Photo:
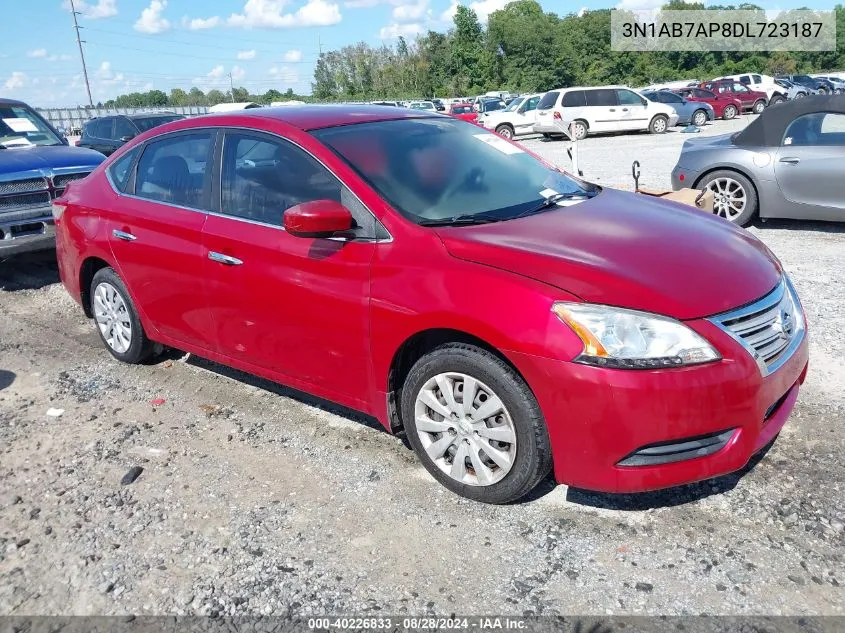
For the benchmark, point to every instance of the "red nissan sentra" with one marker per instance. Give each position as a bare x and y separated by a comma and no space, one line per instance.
508,317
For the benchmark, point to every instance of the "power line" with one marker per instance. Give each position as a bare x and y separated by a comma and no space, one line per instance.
73,12
209,57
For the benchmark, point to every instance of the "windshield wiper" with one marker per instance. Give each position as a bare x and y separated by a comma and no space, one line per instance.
465,219
551,201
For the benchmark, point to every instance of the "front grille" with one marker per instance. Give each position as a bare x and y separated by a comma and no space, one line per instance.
769,329
25,200
60,182
22,186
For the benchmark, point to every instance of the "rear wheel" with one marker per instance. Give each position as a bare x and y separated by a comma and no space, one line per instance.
759,106
579,130
658,125
117,319
505,130
699,118
734,197
729,112
475,424
776,100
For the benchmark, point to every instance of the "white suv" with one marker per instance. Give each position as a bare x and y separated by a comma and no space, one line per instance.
518,118
601,109
761,83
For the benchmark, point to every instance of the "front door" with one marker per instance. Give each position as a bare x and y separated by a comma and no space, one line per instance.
526,116
633,112
808,165
294,306
155,234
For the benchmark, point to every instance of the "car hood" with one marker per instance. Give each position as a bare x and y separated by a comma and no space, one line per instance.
628,250
47,158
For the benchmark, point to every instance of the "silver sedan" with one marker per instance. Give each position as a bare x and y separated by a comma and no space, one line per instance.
788,163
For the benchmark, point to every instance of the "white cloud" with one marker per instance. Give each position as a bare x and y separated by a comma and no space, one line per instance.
151,20
640,5
483,8
246,54
268,14
361,4
238,73
219,76
218,72
449,14
17,80
106,76
582,11
285,75
412,12
38,52
102,9
199,24
293,56
392,31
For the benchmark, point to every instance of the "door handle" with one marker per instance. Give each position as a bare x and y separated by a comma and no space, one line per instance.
224,259
123,235
613,109
791,160
624,109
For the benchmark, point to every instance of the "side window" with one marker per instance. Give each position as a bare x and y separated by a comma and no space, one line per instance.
263,177
601,97
123,128
626,97
669,97
574,99
120,170
531,104
101,128
819,128
548,101
740,88
744,79
757,79
173,170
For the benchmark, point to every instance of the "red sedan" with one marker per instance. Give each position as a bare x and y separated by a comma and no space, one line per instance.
508,317
724,105
463,111
751,100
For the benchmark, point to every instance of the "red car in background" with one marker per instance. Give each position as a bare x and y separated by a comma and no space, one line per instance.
724,105
463,111
751,100
510,318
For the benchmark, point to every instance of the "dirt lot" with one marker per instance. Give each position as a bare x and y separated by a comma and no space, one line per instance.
254,499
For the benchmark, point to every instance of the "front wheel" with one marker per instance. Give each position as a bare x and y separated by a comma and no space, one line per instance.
729,112
800,95
505,130
759,106
117,319
475,424
658,125
776,100
822,91
734,197
699,118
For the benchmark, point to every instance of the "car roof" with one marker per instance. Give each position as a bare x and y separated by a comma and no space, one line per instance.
13,102
767,129
147,115
315,117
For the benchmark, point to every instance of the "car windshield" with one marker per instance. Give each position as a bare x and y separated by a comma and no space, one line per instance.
148,123
462,109
513,105
434,169
20,126
489,106
422,106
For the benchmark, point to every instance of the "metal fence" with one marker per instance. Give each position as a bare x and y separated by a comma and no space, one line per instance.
71,119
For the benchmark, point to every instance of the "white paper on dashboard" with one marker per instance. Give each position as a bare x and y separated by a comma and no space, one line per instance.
20,125
498,143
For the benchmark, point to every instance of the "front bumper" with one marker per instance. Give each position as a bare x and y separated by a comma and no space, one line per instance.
599,417
26,234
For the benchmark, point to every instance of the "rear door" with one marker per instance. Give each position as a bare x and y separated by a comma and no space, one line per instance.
155,235
547,106
526,115
602,110
632,112
292,305
808,166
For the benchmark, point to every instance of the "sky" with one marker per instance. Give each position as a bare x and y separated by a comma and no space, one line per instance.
138,45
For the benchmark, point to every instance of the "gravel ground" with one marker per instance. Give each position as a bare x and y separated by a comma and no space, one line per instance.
254,499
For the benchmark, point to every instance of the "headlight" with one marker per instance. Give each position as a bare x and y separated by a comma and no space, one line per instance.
628,339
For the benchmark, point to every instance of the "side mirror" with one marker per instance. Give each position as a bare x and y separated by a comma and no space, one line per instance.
127,138
320,218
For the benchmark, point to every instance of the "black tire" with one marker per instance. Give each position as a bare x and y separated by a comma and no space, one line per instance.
750,209
580,129
505,130
729,112
776,100
533,451
822,91
759,106
140,347
699,118
800,95
659,124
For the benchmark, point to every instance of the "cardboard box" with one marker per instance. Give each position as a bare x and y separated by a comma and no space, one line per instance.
684,196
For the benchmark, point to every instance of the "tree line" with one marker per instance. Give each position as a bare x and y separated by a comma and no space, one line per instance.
522,49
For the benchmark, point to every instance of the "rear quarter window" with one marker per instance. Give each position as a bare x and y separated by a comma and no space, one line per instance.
548,101
120,171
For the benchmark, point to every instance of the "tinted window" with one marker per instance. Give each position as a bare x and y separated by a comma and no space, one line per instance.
121,169
757,78
173,170
549,100
626,97
123,128
703,94
668,97
819,128
100,128
744,79
148,123
263,177
601,97
573,99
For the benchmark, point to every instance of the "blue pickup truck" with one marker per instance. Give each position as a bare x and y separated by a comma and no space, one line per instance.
36,164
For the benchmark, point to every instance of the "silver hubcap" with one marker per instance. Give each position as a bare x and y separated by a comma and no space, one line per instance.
730,112
659,125
729,198
580,131
465,429
700,119
506,132
112,317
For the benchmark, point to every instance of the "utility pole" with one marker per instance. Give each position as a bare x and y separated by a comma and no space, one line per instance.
74,13
232,84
